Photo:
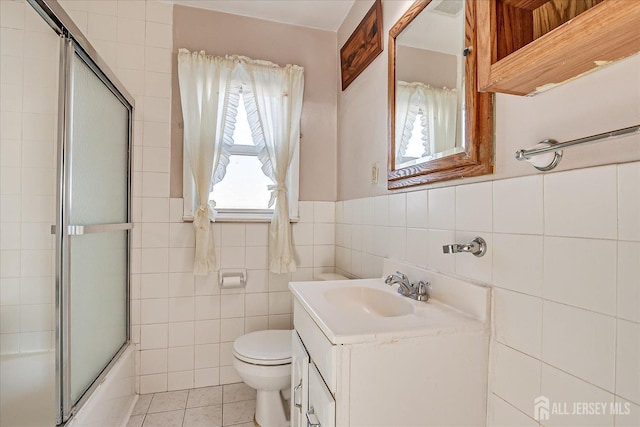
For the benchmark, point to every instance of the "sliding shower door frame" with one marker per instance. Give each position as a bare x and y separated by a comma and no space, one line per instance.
73,42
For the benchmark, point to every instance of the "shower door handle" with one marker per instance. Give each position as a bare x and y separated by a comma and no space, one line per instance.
79,230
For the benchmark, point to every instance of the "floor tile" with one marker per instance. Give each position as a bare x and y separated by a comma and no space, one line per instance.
135,421
170,401
204,416
238,412
164,419
237,393
205,396
142,405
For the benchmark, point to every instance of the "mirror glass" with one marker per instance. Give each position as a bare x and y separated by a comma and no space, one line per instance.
440,125
429,85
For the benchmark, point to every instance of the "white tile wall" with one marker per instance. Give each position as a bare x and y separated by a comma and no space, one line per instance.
189,322
27,174
563,259
559,386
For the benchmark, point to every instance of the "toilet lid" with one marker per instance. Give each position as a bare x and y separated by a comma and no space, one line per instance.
264,347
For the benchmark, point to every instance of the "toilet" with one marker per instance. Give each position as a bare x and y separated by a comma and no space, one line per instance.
263,361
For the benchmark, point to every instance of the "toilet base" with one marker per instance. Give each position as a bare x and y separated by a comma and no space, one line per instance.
270,409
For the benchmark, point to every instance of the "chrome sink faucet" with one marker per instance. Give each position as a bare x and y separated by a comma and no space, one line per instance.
416,291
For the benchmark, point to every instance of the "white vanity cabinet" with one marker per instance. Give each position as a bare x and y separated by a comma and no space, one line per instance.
427,368
299,381
312,403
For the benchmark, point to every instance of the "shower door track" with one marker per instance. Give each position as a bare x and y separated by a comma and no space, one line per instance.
72,41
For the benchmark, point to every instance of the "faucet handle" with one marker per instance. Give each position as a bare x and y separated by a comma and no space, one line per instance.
421,292
402,275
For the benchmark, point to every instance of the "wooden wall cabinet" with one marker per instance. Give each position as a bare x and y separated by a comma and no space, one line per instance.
528,46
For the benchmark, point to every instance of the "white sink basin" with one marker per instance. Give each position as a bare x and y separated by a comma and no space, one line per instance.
368,310
368,301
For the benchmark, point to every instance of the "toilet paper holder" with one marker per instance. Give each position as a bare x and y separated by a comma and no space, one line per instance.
232,278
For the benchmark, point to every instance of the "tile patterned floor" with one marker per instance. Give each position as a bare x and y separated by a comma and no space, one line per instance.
228,405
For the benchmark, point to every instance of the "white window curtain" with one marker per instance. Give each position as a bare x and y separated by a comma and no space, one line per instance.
273,99
438,118
440,108
208,102
407,108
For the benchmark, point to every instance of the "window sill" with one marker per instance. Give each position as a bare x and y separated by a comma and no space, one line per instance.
241,217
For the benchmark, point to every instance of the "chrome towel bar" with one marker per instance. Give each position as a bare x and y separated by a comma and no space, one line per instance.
556,147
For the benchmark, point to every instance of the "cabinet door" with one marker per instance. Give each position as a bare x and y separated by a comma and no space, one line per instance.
299,382
322,407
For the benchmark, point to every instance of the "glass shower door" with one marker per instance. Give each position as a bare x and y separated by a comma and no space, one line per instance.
95,224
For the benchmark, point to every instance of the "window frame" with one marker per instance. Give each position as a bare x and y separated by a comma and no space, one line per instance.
241,215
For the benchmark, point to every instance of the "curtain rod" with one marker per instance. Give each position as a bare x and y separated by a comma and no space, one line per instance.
551,145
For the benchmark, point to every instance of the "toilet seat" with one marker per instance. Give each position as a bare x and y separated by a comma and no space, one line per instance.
267,348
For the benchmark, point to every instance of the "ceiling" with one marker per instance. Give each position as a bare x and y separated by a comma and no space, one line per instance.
323,14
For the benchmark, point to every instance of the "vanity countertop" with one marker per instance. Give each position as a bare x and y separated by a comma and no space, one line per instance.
368,310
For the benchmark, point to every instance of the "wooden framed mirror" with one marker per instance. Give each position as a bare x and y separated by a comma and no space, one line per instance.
440,126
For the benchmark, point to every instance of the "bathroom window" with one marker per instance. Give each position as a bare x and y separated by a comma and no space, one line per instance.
243,193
